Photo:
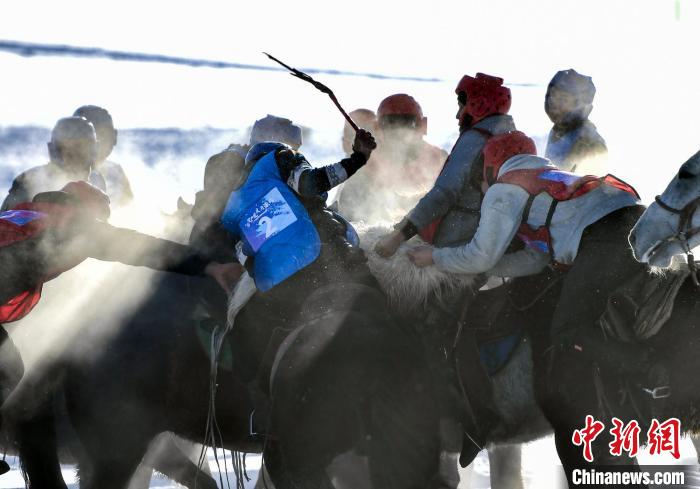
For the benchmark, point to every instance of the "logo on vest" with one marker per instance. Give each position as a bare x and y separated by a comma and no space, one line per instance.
566,178
21,217
266,218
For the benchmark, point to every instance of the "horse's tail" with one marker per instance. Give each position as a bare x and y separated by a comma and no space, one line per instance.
32,426
38,450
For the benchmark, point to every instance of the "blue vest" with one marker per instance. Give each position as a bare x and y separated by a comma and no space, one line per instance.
272,224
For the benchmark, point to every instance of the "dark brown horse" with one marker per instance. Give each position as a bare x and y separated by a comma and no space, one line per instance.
349,379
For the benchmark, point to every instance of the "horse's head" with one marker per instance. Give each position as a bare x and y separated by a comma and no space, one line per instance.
671,225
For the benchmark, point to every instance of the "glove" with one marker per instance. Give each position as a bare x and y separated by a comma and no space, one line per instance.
364,143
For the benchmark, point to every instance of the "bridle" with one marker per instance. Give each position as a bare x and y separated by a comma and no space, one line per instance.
685,232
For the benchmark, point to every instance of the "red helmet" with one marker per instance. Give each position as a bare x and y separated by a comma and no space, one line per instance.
92,199
485,96
500,148
401,104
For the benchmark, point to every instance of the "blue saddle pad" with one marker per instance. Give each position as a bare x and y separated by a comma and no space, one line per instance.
495,354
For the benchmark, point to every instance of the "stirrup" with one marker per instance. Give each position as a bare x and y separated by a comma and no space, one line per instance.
659,392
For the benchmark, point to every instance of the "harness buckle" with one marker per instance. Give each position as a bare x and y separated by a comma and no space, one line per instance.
660,392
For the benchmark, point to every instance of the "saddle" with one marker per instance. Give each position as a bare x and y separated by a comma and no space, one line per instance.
636,312
496,339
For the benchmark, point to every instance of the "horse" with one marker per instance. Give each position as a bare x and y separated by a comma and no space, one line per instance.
349,378
665,390
36,422
669,226
152,376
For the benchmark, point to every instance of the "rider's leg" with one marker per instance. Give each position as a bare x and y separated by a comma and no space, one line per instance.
473,415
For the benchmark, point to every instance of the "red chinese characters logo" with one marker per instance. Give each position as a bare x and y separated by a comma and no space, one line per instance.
625,438
665,437
587,435
661,437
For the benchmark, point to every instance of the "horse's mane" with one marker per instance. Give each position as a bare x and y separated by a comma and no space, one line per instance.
407,286
678,265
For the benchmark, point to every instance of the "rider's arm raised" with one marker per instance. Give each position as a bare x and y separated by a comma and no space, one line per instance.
308,181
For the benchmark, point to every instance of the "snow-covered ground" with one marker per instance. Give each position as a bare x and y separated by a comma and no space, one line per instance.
540,469
13,479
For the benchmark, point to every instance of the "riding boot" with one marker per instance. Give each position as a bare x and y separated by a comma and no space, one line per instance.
259,389
465,391
480,415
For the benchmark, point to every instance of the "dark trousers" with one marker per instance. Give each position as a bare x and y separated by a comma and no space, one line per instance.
457,366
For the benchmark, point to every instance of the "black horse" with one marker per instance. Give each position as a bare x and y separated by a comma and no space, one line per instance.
348,378
569,387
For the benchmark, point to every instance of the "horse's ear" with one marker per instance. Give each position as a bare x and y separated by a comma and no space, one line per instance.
691,168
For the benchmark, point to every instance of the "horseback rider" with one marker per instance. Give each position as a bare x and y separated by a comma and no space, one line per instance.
559,216
117,184
578,225
455,197
401,170
448,215
574,143
58,230
292,242
72,156
55,232
221,174
279,193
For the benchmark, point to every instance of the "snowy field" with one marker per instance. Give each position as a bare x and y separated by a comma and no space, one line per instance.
539,471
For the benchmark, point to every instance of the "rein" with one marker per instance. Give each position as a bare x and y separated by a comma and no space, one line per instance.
685,231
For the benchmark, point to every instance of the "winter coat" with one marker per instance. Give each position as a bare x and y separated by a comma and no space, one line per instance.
44,178
579,149
456,195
